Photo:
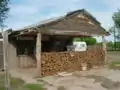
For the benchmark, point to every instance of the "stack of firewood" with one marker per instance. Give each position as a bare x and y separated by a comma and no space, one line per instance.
55,62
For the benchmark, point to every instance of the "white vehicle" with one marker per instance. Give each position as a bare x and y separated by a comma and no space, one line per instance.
80,46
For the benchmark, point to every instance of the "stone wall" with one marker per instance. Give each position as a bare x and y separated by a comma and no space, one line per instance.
55,62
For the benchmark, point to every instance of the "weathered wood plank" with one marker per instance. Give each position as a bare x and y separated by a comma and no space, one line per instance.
38,53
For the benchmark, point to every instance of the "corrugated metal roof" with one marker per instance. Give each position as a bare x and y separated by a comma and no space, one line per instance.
42,22
57,18
82,27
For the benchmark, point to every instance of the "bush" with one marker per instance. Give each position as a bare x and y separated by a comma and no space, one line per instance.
117,44
111,46
88,40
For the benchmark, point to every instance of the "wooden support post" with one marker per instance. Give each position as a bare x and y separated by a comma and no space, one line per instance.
6,60
38,53
105,48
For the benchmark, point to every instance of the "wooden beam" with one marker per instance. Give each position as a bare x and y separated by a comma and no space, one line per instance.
25,38
26,32
38,53
72,32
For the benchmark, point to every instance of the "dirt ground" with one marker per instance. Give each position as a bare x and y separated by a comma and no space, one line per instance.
95,79
100,78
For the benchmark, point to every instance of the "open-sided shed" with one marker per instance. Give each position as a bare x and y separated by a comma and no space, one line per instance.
31,43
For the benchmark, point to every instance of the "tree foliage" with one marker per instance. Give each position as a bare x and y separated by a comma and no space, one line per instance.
116,28
88,40
3,11
112,46
116,18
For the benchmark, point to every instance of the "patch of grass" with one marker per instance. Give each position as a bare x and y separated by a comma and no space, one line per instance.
2,87
115,65
18,84
33,87
114,50
14,82
2,83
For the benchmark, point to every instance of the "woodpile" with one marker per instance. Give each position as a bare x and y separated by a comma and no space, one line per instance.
55,62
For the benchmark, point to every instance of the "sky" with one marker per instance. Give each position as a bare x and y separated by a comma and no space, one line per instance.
26,12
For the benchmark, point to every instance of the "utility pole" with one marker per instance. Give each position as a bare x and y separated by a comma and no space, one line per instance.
5,59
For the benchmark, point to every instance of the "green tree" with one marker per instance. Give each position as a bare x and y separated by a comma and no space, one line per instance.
113,31
116,19
3,11
110,45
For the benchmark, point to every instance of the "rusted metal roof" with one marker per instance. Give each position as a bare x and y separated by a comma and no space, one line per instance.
83,27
